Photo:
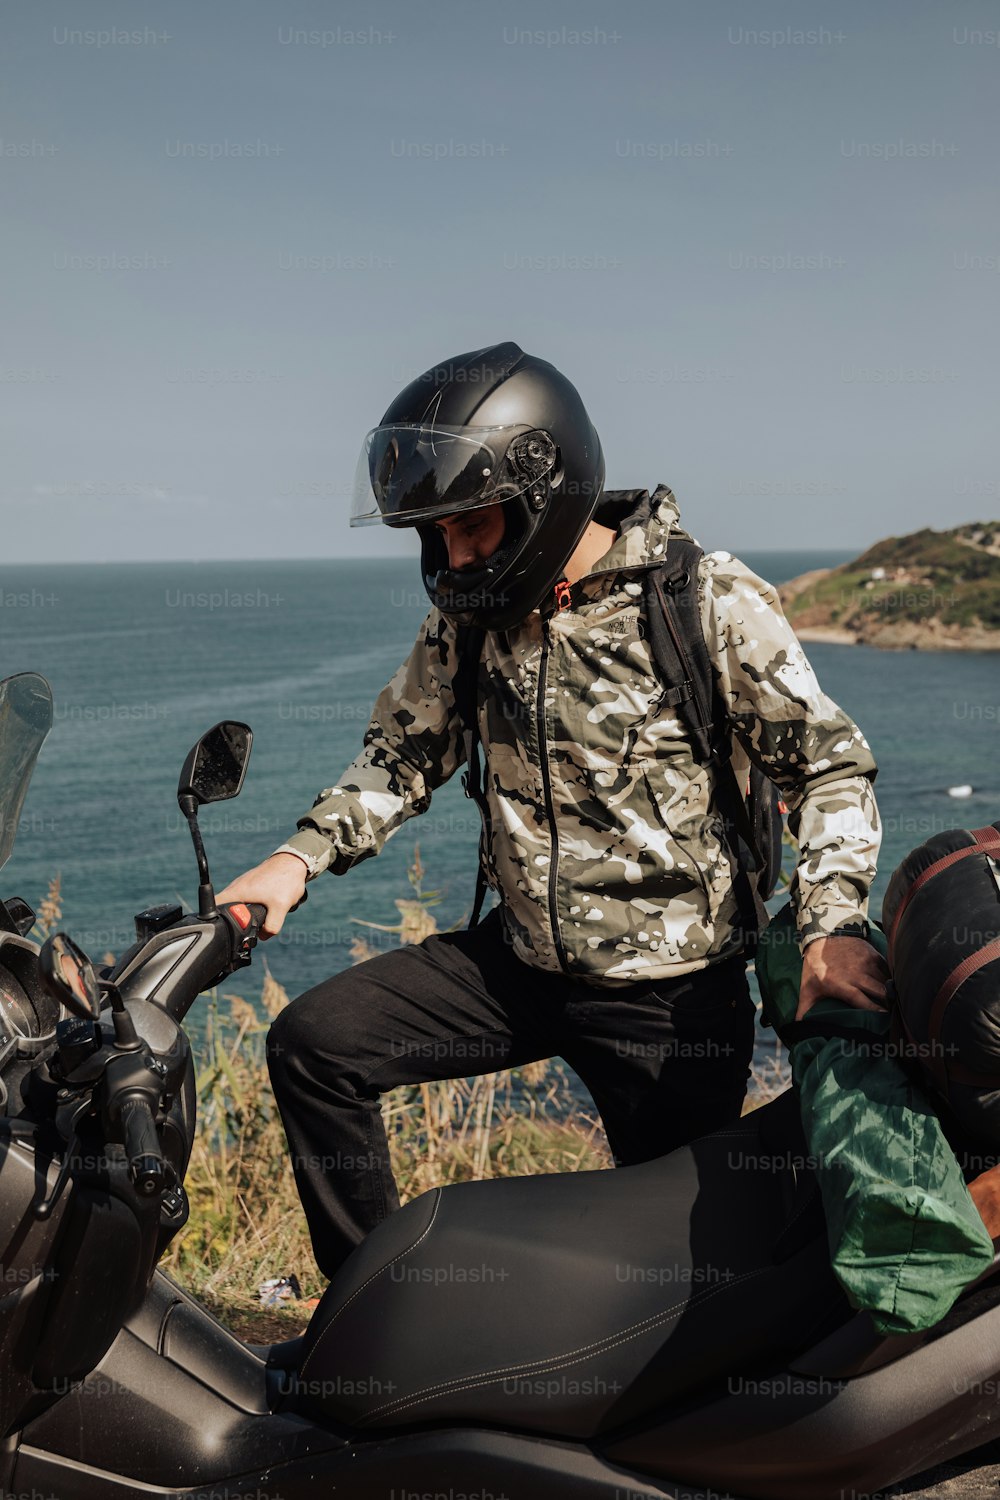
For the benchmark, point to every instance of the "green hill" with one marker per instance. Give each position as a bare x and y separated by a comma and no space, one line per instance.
929,589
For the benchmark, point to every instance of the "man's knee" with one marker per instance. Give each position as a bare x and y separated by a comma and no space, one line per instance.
281,1040
317,1021
331,1031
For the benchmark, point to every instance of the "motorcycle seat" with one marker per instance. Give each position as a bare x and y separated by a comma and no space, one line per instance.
573,1303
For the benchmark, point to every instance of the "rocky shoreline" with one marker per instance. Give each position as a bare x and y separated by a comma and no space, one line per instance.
906,636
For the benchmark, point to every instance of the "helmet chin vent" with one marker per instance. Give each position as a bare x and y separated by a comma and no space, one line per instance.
513,535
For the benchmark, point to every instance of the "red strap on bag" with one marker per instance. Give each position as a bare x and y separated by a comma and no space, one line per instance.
985,841
942,1000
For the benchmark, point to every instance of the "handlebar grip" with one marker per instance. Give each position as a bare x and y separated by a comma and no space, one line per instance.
259,912
142,1145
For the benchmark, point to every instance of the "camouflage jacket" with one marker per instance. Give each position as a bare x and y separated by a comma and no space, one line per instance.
608,855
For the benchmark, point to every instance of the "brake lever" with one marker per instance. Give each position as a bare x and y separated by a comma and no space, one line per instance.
44,1209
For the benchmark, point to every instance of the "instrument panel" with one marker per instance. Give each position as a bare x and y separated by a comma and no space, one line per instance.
28,1016
17,1014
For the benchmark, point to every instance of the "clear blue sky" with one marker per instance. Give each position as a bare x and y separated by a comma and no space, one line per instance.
762,239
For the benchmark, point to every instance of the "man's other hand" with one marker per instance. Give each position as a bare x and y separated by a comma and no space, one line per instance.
278,883
842,968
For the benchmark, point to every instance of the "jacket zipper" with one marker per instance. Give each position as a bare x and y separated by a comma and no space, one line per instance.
543,757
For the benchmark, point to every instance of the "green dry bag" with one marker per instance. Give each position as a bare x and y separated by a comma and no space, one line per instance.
905,1236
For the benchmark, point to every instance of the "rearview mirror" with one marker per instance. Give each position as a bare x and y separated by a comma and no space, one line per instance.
69,976
216,765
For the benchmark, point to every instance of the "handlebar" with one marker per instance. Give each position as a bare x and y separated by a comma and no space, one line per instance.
238,912
142,1145
178,957
259,912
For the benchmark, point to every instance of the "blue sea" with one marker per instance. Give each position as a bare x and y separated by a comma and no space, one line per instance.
143,658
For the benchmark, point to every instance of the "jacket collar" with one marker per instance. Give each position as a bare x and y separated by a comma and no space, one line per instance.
643,522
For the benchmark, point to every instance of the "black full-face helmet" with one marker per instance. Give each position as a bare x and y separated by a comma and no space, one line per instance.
494,427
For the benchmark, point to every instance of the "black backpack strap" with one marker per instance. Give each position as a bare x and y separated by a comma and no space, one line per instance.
681,653
678,643
768,827
465,684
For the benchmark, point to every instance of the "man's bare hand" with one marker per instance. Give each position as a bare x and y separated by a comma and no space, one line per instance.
278,884
842,968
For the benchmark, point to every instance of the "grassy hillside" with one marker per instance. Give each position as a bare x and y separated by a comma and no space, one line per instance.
950,577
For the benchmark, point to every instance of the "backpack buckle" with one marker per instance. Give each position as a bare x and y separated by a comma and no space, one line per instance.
675,695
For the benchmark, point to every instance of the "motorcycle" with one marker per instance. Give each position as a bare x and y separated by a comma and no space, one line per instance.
665,1330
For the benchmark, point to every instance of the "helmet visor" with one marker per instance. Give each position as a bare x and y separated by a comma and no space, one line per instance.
419,472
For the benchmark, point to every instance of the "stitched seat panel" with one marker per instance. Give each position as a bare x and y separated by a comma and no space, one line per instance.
572,1303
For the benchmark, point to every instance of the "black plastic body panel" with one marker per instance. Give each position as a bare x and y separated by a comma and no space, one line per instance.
787,1436
29,1250
95,1287
74,1277
454,1462
176,1400
175,965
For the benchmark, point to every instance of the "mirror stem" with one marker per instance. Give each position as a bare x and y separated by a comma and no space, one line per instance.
206,901
126,1037
206,895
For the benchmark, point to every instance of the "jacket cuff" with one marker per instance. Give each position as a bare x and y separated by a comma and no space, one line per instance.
829,924
313,847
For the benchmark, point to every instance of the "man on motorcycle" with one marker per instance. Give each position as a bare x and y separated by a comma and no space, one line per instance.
615,943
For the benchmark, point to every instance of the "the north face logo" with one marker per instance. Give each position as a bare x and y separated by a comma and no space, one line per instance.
624,625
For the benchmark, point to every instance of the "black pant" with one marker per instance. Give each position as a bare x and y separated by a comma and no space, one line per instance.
665,1061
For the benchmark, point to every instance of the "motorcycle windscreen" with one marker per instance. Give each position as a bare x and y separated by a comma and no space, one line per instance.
25,720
